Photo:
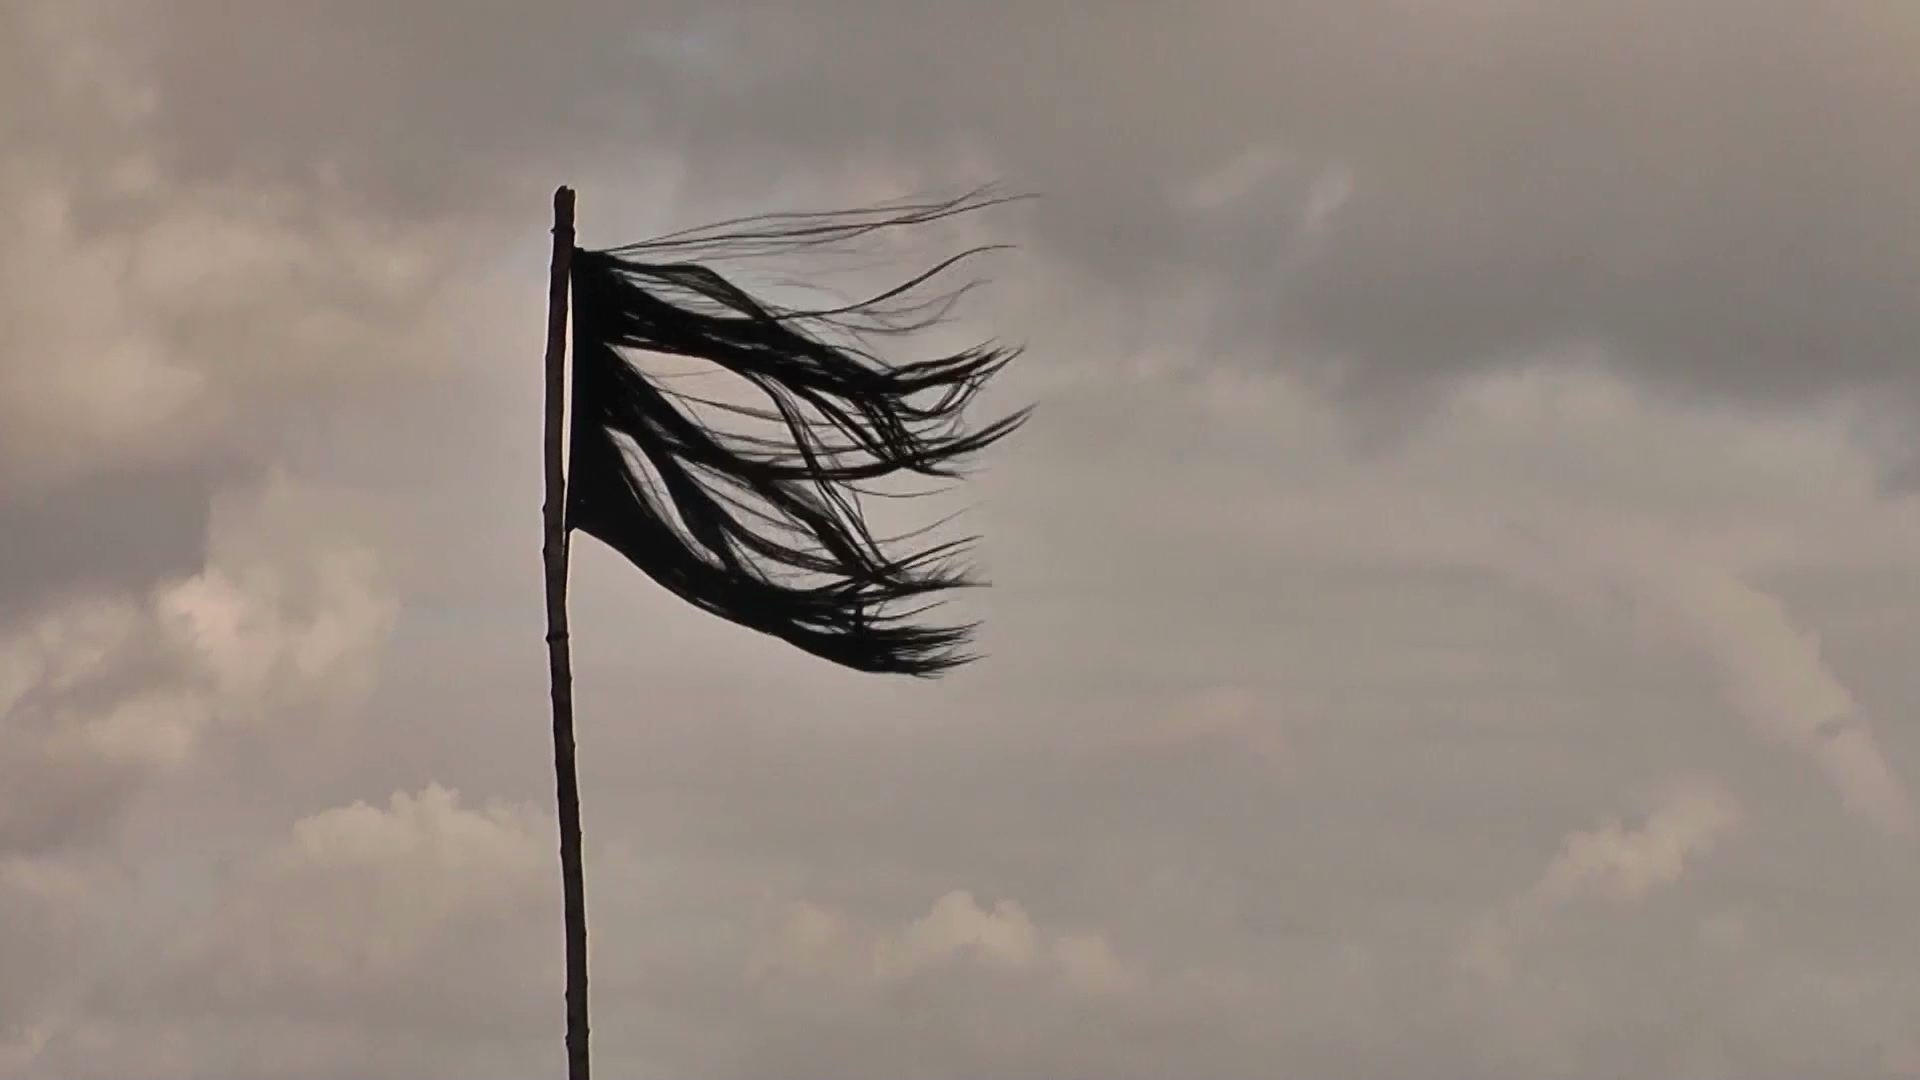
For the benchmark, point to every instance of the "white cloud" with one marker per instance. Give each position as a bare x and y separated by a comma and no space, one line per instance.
1230,714
1090,965
955,933
418,915
1234,179
959,930
1772,673
1623,864
1777,679
1657,520
50,907
1620,864
104,689
358,894
263,633
162,339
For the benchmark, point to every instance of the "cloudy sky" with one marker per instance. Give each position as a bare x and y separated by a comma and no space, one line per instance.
1452,614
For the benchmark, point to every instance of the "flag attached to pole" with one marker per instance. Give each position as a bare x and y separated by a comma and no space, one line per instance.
751,509
763,526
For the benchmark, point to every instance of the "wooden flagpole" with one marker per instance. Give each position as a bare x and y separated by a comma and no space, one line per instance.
559,651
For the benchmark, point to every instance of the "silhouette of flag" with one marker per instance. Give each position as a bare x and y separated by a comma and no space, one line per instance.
752,509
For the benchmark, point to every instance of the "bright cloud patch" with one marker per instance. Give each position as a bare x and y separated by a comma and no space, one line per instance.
957,932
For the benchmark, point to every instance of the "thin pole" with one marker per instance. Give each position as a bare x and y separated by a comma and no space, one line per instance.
559,651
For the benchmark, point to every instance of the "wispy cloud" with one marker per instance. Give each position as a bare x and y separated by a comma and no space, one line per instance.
1620,863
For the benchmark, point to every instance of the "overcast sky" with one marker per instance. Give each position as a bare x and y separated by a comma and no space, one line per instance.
1453,610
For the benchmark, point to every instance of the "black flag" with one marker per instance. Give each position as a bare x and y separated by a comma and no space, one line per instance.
765,526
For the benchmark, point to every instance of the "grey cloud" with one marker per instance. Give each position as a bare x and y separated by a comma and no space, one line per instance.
1720,194
1274,722
109,689
49,908
335,948
117,530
